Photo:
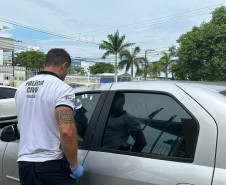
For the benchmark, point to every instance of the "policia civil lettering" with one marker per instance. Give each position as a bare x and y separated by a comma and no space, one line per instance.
33,87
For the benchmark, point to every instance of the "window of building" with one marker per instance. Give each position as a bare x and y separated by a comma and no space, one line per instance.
153,124
85,106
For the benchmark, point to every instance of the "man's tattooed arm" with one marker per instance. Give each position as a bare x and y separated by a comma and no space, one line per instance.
68,134
64,116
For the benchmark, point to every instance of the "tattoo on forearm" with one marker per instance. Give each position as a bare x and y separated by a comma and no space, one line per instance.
64,116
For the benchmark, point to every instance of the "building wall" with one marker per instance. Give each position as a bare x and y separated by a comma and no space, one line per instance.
6,73
75,64
6,44
85,65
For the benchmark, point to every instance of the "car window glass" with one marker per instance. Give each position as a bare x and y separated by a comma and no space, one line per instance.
6,93
85,106
151,124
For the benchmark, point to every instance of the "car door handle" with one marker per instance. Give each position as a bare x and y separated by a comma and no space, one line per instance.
184,184
12,178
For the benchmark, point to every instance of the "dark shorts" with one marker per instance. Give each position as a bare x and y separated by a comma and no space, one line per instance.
44,173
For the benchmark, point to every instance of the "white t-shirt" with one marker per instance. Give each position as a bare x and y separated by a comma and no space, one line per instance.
36,101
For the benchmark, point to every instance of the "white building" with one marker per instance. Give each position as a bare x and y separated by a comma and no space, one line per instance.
6,45
85,66
6,75
33,48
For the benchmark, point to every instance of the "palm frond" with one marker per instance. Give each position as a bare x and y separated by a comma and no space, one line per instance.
105,45
126,45
124,54
106,54
123,63
135,51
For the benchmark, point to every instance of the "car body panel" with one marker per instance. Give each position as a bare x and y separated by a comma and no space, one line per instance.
217,110
216,106
219,176
10,168
160,172
106,168
2,151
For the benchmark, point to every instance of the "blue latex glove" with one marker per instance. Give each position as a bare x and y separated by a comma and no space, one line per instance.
76,172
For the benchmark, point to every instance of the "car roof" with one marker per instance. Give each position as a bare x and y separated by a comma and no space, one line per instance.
4,86
219,87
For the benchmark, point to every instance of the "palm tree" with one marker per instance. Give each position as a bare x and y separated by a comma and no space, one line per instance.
129,60
166,60
154,69
114,46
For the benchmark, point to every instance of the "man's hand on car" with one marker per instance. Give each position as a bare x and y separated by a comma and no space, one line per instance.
76,172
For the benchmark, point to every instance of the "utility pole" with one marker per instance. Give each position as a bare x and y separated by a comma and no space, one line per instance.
116,68
13,63
13,67
146,62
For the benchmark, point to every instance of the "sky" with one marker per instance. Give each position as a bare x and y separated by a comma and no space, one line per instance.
80,25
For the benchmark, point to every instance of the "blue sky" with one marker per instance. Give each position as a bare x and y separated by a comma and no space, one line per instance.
150,24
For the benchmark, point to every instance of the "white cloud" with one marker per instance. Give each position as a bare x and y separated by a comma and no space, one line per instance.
70,17
7,35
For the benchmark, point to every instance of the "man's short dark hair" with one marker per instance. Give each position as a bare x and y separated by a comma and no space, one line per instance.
118,101
56,57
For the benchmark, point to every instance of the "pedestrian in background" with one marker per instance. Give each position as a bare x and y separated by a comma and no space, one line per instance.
47,130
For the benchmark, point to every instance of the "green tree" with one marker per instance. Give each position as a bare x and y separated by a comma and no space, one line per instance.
78,71
30,59
154,69
140,71
202,52
130,59
101,67
167,59
115,45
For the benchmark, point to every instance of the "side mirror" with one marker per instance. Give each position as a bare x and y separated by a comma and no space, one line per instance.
10,133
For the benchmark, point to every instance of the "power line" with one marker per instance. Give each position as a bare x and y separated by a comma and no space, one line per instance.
46,32
155,21
122,28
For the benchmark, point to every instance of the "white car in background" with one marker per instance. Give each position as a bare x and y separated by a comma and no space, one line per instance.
8,112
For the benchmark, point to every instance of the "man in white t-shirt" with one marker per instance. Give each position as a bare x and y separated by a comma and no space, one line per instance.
47,130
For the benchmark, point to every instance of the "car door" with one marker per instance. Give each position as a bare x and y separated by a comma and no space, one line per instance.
88,108
8,110
88,105
10,169
2,150
179,134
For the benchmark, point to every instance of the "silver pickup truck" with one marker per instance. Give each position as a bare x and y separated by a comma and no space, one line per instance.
183,125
